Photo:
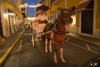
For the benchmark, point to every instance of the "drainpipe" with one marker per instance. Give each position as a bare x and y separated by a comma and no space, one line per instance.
66,4
77,22
49,11
77,26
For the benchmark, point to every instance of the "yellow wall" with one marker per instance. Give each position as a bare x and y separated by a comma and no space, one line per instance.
7,24
11,7
71,3
7,5
60,4
48,12
12,22
75,3
77,20
6,18
54,7
98,15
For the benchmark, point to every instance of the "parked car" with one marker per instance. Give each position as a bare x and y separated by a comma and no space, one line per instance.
93,63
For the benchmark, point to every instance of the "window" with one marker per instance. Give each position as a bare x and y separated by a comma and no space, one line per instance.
48,17
74,20
58,14
51,18
22,9
51,1
55,16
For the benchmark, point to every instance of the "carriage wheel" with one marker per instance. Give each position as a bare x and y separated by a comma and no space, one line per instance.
33,41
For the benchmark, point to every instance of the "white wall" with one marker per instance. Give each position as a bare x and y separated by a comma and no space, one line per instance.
96,32
2,18
71,29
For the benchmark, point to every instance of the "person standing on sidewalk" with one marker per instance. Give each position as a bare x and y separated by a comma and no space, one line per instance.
22,25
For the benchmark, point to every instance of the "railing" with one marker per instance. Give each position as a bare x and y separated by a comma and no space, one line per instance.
14,3
52,1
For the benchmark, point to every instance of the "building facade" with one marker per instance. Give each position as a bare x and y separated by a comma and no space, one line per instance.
85,18
11,16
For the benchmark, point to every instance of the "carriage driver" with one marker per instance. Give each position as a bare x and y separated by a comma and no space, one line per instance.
41,18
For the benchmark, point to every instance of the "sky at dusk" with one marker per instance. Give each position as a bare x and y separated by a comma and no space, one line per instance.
31,11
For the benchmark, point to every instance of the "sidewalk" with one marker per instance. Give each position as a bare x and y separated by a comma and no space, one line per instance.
85,38
8,42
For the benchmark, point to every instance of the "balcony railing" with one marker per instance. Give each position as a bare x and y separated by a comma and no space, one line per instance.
23,10
52,1
55,2
14,3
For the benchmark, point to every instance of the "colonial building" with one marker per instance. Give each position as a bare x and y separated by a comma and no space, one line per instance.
11,15
85,18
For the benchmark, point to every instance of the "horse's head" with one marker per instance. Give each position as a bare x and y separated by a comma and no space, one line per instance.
65,16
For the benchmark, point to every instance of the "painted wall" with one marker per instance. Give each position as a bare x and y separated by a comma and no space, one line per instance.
71,3
2,17
98,15
60,4
96,23
5,19
54,8
11,7
77,27
73,28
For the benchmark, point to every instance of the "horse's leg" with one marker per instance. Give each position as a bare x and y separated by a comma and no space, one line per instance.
46,42
50,45
55,57
51,36
61,52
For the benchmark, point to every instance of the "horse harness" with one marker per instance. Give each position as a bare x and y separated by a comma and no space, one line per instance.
56,29
55,26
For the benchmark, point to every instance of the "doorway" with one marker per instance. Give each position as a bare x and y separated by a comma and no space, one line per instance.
1,31
87,22
87,19
10,24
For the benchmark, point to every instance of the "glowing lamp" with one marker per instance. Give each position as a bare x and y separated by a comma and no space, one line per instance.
74,19
5,15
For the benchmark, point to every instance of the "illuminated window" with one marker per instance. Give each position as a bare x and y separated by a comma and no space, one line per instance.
74,20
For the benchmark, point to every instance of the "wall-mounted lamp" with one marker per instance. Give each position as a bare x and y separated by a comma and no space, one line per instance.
74,19
5,15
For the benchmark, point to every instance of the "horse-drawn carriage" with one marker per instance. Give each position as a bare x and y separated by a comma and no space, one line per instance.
55,32
37,30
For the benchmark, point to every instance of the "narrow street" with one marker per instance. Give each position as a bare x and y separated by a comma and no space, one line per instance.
21,20
76,53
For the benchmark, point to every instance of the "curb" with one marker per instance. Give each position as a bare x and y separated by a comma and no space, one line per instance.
83,40
7,53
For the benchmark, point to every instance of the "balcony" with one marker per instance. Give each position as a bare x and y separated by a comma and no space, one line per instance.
54,2
14,3
23,11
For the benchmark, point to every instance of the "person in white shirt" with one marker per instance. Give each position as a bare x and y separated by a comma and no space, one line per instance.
41,18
